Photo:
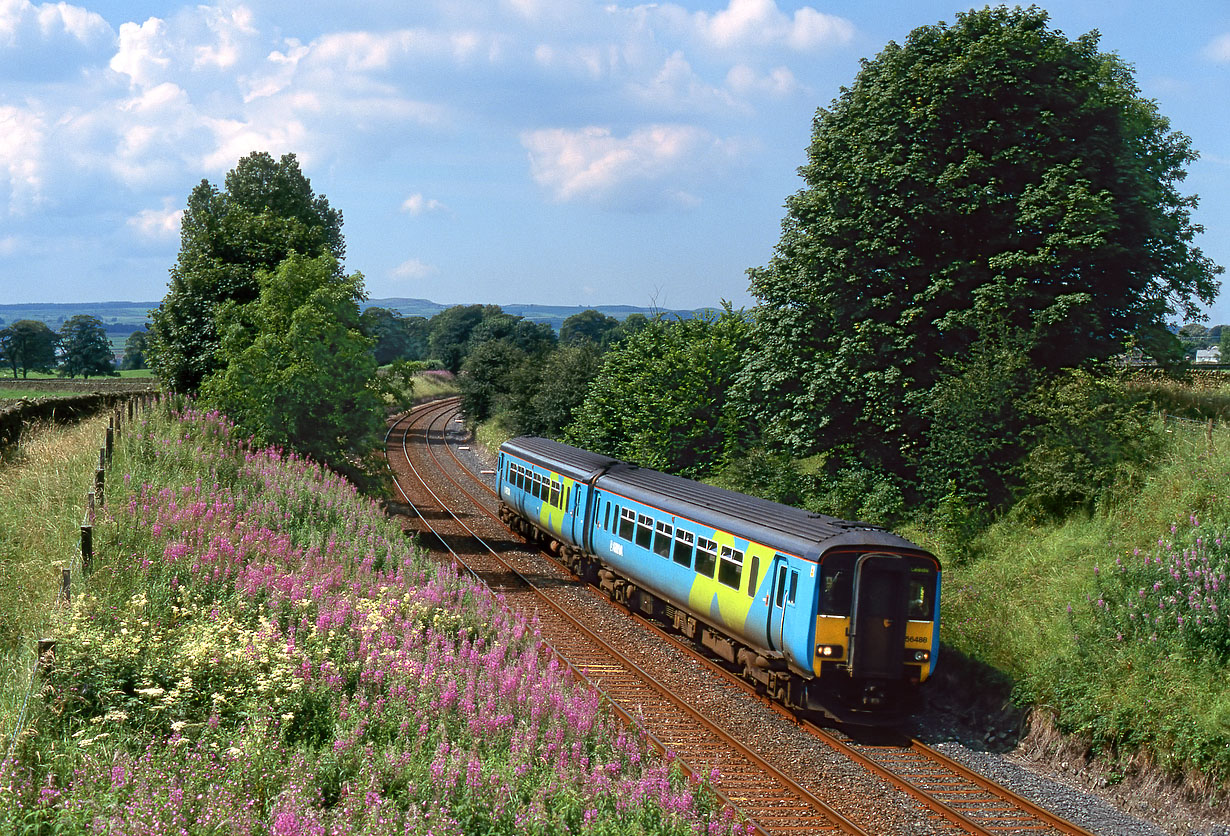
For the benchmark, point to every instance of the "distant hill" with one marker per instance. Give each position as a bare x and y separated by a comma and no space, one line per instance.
122,318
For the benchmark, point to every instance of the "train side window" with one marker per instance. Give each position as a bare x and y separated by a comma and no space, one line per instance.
684,542
730,569
644,531
662,540
627,524
706,556
794,586
606,519
781,584
751,584
555,494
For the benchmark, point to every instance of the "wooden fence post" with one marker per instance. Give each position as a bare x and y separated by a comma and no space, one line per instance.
66,585
110,443
87,548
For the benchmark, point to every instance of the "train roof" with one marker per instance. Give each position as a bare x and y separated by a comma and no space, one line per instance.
782,527
572,462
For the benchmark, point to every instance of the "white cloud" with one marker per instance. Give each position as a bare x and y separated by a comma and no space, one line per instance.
9,245
649,168
1219,49
416,204
21,20
229,29
747,82
142,54
760,23
412,269
22,138
158,224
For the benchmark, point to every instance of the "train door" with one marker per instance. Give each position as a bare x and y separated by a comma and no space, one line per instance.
776,622
878,621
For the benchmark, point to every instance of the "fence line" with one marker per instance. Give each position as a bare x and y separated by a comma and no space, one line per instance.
135,404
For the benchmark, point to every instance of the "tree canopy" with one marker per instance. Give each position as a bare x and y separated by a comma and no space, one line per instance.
295,370
265,212
28,345
989,182
85,349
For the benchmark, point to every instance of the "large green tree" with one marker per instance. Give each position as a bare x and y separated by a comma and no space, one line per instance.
28,345
85,349
265,212
989,182
135,349
296,370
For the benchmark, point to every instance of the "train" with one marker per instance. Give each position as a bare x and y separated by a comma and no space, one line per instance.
826,616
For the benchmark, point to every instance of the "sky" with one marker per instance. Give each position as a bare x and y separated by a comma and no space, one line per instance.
558,152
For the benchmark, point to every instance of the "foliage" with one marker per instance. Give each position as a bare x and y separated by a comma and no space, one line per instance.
295,369
660,399
261,652
487,378
266,211
449,336
28,345
396,337
1085,433
588,326
84,348
135,349
548,404
986,178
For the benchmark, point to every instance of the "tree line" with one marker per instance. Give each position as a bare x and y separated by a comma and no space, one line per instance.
80,348
990,215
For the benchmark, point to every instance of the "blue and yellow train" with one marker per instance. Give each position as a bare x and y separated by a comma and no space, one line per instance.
825,615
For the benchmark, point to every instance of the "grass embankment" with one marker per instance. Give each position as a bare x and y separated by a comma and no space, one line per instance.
17,394
259,650
125,374
1117,623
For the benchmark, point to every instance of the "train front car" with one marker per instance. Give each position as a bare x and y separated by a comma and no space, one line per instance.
877,627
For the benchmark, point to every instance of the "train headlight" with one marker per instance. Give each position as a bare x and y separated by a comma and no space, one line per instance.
829,651
922,655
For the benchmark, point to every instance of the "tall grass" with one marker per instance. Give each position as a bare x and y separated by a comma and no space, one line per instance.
261,651
43,480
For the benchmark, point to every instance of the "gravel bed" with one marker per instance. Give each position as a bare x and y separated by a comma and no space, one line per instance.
860,796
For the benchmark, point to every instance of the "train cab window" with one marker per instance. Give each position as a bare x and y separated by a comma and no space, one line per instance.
706,556
730,569
684,542
662,539
627,524
837,584
644,531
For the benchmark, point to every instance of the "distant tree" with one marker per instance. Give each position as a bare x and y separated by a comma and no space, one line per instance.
530,337
588,326
391,333
1194,336
85,349
28,345
266,212
296,370
135,348
450,332
661,397
561,389
1224,345
988,180
631,324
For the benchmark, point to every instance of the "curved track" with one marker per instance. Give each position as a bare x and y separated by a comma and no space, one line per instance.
770,799
963,800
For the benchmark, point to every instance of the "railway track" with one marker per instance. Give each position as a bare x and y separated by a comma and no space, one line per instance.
955,799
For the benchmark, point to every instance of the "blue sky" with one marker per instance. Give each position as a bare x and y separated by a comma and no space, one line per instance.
504,151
